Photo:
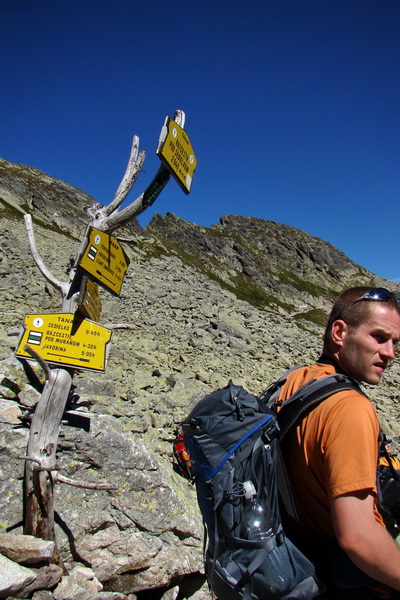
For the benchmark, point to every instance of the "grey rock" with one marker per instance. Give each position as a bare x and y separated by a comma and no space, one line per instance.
43,595
171,594
47,577
13,577
29,396
80,584
10,412
25,549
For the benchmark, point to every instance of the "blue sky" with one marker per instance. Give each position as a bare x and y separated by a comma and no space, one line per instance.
292,107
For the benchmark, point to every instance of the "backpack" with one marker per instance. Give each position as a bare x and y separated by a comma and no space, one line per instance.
232,438
388,484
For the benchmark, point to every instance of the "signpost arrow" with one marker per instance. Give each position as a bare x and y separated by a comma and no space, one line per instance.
105,260
89,300
176,152
66,340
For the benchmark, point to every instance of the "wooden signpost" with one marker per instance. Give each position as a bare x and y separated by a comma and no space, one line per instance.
72,339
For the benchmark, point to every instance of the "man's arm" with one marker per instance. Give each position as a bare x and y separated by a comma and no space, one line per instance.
366,542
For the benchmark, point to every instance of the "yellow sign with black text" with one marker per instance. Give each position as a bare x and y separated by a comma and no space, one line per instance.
176,152
89,300
105,260
64,339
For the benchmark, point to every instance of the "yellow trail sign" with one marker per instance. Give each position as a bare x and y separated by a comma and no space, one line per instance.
176,152
105,260
89,300
66,340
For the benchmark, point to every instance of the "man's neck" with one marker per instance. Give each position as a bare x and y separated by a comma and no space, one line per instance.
327,359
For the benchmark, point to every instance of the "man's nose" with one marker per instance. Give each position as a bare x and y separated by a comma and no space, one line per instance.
389,349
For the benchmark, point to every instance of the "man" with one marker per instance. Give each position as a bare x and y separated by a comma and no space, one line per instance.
331,454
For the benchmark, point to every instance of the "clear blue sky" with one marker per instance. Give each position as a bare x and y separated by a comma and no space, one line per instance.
292,107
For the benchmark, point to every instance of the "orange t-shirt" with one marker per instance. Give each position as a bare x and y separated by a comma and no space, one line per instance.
333,450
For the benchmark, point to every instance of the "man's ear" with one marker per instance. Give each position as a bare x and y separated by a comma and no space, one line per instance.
339,331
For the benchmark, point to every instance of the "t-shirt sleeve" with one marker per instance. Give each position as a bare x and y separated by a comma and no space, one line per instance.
350,445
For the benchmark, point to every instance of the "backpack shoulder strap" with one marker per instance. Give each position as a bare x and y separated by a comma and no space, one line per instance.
270,395
311,394
308,395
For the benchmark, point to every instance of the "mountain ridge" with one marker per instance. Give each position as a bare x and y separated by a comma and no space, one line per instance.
203,305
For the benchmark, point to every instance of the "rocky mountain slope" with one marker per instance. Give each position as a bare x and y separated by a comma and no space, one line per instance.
241,300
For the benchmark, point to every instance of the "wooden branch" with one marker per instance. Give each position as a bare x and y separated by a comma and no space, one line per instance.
100,215
83,484
58,285
118,219
133,169
35,460
39,359
151,193
41,454
179,118
109,218
70,304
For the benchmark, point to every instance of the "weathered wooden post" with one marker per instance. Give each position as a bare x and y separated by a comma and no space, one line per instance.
69,340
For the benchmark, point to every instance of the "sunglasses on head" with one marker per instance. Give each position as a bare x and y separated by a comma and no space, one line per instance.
377,294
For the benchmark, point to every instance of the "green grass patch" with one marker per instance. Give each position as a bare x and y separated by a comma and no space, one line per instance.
290,278
246,289
316,316
10,212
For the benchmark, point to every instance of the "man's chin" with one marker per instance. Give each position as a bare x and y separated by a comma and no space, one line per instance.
374,378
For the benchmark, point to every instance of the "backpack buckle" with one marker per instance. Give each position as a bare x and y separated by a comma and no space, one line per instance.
272,432
209,489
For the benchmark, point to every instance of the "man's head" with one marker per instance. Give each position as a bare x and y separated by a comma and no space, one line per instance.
362,332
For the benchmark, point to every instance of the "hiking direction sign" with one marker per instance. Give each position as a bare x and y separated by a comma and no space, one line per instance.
176,152
89,300
105,260
65,339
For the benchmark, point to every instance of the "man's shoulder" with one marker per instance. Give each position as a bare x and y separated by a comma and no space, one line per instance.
352,400
303,375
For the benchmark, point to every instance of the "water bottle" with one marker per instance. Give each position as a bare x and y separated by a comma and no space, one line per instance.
257,520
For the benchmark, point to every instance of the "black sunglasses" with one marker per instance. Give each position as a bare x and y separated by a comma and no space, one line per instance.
377,294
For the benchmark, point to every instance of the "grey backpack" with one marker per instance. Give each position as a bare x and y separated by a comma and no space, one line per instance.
233,439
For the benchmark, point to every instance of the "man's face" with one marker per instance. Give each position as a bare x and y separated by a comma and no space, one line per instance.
365,351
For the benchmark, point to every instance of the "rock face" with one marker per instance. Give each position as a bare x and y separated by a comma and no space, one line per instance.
242,300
